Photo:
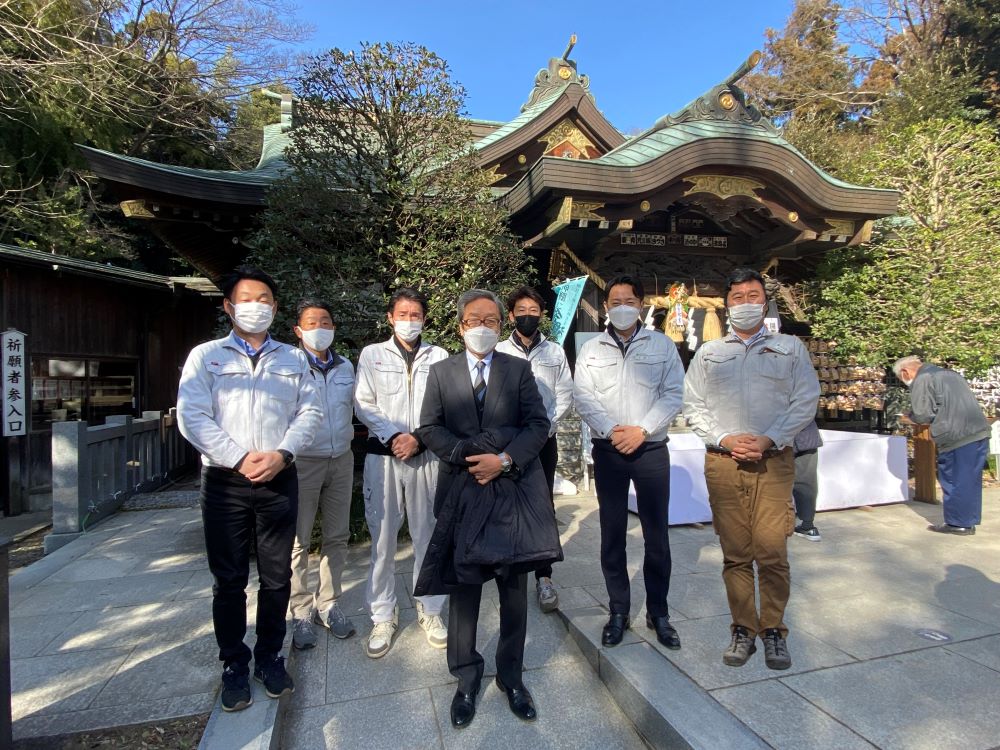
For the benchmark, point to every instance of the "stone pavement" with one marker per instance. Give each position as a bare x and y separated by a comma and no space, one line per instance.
343,699
115,628
863,675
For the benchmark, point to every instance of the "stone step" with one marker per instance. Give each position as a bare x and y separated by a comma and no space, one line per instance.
667,707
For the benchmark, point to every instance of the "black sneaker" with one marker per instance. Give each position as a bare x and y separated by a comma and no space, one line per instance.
236,693
812,533
277,682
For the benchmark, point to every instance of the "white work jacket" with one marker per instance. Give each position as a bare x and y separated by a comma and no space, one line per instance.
644,387
227,408
387,399
552,375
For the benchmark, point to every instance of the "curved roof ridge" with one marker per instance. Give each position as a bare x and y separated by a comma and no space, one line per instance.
529,114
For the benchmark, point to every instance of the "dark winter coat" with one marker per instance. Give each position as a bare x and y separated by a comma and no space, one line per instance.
507,525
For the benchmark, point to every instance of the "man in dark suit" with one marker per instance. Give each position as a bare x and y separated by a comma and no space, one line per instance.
467,395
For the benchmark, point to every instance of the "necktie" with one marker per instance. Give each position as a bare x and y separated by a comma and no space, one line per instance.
479,387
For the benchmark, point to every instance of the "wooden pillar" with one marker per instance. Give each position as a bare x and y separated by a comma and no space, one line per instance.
924,465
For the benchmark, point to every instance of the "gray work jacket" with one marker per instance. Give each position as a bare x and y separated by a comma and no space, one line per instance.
769,388
942,399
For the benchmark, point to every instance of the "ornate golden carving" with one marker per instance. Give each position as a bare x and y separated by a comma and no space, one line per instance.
723,186
793,216
727,101
136,210
584,210
495,174
644,206
840,226
565,73
522,159
567,131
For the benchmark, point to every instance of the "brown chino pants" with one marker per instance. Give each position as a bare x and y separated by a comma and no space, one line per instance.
753,515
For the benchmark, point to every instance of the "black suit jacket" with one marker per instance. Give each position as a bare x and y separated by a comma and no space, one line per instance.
449,414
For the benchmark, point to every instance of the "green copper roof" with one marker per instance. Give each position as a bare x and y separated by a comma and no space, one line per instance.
652,144
264,174
276,140
521,120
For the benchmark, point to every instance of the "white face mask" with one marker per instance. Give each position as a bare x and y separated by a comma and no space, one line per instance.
481,340
252,317
623,316
408,330
747,316
318,338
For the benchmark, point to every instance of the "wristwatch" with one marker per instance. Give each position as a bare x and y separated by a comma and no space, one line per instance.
287,455
505,463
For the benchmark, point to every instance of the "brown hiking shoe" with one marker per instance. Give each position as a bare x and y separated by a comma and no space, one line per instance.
741,648
776,654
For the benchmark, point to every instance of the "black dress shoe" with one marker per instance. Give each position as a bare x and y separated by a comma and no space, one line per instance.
947,528
614,631
463,708
665,632
519,700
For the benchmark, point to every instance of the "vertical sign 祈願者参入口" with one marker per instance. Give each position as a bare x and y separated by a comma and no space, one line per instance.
15,380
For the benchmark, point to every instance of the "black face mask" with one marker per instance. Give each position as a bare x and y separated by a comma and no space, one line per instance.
526,325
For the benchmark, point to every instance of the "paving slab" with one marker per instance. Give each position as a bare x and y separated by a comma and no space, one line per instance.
574,711
61,682
925,700
403,719
142,625
99,593
867,626
163,672
985,651
30,635
786,720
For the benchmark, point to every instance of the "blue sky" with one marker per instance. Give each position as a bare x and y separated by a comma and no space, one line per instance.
644,59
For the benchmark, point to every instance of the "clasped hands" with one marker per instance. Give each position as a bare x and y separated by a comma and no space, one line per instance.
626,439
744,446
485,467
261,466
404,446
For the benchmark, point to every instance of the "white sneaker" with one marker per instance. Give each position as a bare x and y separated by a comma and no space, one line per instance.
380,639
434,627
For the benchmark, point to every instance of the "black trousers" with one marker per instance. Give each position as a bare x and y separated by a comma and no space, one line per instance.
464,662
234,511
549,457
649,470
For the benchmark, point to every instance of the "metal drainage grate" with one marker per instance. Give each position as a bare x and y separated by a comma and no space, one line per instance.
933,635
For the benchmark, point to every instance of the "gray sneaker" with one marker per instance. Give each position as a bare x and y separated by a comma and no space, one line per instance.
548,599
741,648
336,621
303,634
776,654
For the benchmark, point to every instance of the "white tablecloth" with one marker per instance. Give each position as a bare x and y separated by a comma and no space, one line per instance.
853,469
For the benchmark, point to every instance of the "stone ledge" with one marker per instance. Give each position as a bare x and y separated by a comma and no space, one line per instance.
257,727
666,706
